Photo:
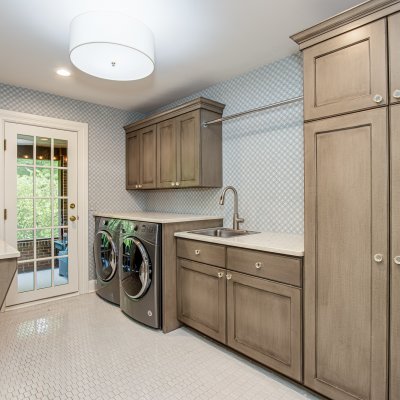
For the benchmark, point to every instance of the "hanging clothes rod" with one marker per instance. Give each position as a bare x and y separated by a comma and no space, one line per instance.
254,110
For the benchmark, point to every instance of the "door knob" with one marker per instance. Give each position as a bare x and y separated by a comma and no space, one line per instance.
397,260
72,218
258,265
220,274
229,276
197,252
377,98
378,258
396,94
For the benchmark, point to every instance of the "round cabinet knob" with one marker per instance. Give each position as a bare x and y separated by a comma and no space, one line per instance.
377,98
177,183
136,186
258,265
140,186
396,94
397,260
72,205
72,218
197,252
229,276
172,183
220,274
378,258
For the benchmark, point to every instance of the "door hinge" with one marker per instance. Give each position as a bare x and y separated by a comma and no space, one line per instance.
5,214
5,144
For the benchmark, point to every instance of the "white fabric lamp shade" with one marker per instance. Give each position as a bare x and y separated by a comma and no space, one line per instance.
111,46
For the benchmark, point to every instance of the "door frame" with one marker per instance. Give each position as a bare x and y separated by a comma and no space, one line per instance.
82,130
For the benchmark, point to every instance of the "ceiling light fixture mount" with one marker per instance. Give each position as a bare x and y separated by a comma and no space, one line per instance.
112,46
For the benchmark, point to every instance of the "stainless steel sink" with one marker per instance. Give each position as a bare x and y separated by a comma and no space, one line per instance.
223,232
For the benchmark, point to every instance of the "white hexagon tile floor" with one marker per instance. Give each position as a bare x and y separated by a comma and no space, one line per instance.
85,348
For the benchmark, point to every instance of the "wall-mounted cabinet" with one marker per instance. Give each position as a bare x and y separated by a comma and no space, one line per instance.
140,161
185,153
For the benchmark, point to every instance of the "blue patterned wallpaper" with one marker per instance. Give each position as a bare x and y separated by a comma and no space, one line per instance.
106,146
262,152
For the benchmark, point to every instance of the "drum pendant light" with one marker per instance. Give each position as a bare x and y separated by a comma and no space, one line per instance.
111,46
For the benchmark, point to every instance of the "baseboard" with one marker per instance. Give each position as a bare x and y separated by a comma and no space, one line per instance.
92,286
43,301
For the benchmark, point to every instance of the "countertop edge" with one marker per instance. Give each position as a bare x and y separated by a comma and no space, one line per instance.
250,246
170,219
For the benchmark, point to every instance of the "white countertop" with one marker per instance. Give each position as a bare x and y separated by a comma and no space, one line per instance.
7,251
282,243
156,217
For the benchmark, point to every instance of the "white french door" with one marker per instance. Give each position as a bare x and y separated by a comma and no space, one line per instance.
41,203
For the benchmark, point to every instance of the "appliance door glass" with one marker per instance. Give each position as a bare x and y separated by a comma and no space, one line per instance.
135,272
105,256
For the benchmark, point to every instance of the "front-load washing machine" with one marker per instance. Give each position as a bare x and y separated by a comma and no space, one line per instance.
105,249
140,271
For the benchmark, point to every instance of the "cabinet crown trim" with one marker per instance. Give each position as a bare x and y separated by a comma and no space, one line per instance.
346,17
199,103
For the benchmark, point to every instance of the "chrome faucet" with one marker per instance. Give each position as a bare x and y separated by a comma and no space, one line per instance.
236,219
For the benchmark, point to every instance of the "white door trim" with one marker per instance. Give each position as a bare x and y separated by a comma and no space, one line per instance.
83,178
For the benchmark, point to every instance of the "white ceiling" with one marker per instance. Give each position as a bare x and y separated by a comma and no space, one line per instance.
198,43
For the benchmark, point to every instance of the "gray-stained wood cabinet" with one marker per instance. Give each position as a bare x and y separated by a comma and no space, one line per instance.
140,161
346,73
395,256
182,152
346,255
352,203
253,315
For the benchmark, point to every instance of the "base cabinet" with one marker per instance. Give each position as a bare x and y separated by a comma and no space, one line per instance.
201,293
255,316
264,322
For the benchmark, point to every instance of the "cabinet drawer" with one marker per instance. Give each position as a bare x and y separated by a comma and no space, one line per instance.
206,253
265,265
343,74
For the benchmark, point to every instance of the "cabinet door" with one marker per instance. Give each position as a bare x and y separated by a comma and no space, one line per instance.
346,281
202,298
132,160
264,322
395,262
166,154
188,140
345,73
148,158
394,57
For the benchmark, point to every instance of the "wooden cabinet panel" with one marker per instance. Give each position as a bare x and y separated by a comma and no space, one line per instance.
166,154
188,141
344,73
202,298
206,253
148,160
395,244
264,322
275,267
394,57
132,160
346,224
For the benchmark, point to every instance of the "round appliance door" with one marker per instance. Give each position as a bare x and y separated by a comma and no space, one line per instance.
135,272
105,256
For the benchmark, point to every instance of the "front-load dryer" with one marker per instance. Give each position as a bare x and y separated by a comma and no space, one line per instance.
140,271
105,249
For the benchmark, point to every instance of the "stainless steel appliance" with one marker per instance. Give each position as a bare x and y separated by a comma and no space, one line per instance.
105,249
140,271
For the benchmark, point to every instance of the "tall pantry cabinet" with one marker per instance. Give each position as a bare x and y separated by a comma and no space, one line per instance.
352,203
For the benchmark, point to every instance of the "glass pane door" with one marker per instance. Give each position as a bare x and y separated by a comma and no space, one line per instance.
43,182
